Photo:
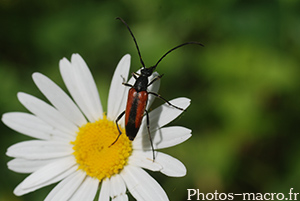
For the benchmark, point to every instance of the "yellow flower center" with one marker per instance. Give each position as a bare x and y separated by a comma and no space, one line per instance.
95,153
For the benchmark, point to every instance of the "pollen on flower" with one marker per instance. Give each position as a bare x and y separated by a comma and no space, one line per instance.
94,153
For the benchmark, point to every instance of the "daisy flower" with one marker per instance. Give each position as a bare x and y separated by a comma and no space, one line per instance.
73,137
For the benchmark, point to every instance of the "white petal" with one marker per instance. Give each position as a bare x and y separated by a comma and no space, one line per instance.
47,113
117,186
87,190
164,163
170,136
86,82
48,172
144,160
163,115
67,73
152,88
105,191
162,138
66,188
20,190
39,149
141,185
33,126
123,197
117,92
171,166
59,99
21,165
82,87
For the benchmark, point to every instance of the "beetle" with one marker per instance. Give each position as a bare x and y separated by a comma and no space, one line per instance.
138,96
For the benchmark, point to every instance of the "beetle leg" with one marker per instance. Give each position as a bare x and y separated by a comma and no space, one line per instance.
127,84
156,78
159,96
117,120
135,75
148,128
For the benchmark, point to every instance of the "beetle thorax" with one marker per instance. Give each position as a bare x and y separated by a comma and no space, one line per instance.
141,83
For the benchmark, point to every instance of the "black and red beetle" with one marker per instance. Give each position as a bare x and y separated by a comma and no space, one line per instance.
138,96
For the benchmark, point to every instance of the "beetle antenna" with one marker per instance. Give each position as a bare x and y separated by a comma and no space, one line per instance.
137,47
171,50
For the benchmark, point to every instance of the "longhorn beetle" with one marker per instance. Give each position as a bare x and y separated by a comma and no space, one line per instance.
138,96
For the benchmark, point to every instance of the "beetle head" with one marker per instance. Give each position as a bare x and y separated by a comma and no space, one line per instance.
147,71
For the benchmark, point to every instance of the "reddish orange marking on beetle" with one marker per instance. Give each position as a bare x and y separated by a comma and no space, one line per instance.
131,95
143,97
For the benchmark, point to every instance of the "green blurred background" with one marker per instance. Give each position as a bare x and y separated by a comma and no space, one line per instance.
244,85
